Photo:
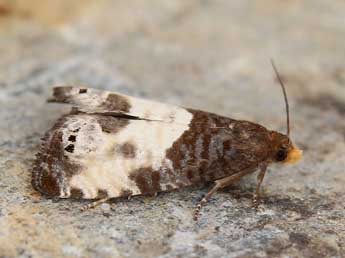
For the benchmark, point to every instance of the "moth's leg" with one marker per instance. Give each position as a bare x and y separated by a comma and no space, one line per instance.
205,199
94,204
221,183
259,178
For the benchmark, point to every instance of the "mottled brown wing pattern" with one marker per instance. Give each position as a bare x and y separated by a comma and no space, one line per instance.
104,154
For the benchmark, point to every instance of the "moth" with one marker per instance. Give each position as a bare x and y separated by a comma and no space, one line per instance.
112,145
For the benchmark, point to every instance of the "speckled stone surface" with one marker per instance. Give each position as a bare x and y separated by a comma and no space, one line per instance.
211,55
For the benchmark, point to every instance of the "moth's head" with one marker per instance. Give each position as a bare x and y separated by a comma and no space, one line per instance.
283,151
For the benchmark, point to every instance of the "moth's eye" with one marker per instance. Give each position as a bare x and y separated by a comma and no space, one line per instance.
281,155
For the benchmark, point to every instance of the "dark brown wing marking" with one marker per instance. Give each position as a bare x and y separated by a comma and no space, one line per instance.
215,147
52,166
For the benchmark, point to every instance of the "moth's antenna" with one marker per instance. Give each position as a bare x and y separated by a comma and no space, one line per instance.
285,98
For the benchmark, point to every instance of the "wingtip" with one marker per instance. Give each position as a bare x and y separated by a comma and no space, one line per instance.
62,94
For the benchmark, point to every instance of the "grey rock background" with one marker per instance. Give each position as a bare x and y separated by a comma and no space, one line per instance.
211,55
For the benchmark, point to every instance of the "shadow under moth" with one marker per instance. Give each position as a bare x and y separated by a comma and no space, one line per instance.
112,145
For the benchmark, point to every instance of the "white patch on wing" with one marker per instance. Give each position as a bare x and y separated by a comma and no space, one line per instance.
159,111
105,169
